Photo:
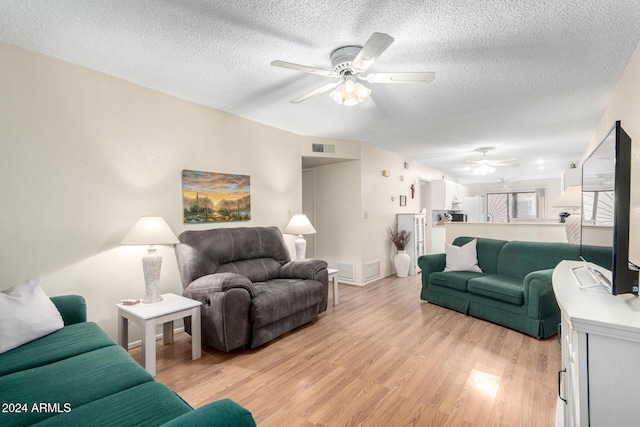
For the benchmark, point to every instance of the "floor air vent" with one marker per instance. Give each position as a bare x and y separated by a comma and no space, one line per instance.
371,270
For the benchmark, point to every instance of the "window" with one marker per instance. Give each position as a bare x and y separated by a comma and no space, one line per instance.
505,207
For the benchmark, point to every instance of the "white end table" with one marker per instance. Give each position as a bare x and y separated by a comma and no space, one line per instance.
333,277
172,307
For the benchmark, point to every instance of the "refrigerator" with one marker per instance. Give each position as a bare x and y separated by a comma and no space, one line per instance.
475,208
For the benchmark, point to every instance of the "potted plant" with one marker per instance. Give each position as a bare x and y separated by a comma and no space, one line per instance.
400,239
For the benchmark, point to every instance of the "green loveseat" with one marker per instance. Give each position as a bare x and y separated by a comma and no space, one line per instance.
514,288
78,376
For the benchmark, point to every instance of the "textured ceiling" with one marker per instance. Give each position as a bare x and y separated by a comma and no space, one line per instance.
530,78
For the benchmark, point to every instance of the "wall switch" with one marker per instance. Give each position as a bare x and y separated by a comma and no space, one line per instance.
289,213
366,214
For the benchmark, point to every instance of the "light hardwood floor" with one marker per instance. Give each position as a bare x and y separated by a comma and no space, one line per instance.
382,357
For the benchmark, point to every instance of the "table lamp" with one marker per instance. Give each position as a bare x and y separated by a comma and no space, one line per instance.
571,198
151,230
300,224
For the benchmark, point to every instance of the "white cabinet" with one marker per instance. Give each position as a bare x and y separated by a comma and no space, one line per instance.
447,195
415,224
570,177
600,338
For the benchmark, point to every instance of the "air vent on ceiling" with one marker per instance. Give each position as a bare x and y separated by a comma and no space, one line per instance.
323,148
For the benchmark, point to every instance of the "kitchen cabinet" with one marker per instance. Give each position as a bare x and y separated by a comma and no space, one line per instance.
447,195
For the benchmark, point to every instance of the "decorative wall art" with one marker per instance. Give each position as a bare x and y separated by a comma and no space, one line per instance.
215,197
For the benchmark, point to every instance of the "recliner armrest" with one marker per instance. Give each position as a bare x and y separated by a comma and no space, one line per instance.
303,269
220,282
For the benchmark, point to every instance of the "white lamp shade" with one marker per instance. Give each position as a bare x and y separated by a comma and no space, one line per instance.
571,197
150,230
299,224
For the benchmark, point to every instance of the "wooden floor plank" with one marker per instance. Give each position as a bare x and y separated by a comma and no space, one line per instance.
380,357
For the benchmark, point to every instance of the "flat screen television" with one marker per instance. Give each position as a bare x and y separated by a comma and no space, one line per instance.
606,199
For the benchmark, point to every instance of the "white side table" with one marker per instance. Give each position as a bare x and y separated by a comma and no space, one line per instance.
333,277
172,307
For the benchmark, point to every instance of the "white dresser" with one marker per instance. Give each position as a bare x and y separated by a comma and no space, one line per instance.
599,384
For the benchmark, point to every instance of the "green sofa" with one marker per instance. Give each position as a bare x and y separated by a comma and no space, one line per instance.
78,376
514,288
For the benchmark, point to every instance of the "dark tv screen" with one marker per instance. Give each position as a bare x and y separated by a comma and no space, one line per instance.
606,198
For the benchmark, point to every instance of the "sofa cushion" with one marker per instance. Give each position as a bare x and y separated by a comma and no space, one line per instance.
462,258
256,270
67,342
499,287
75,381
488,251
453,279
26,314
518,259
277,299
150,404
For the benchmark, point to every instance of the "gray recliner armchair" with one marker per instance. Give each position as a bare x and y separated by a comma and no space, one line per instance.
250,289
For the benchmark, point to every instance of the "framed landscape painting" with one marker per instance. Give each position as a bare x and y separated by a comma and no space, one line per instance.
215,197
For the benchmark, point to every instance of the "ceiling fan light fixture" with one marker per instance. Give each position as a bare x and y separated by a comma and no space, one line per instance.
350,93
484,169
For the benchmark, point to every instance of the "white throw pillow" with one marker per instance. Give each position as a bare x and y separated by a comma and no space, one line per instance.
462,258
26,313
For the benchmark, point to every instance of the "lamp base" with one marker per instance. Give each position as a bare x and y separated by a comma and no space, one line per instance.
301,247
572,226
151,264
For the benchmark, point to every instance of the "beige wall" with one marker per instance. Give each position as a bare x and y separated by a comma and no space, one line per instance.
624,105
83,155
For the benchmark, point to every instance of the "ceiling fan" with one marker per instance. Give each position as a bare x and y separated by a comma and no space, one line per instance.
349,62
486,166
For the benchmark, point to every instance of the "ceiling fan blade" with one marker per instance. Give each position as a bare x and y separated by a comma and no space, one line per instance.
322,89
495,163
367,104
372,49
504,162
303,68
418,77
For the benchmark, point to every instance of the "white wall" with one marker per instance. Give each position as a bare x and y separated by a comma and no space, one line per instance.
377,203
338,207
624,105
83,155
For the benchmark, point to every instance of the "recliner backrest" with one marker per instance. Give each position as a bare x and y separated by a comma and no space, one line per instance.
254,252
